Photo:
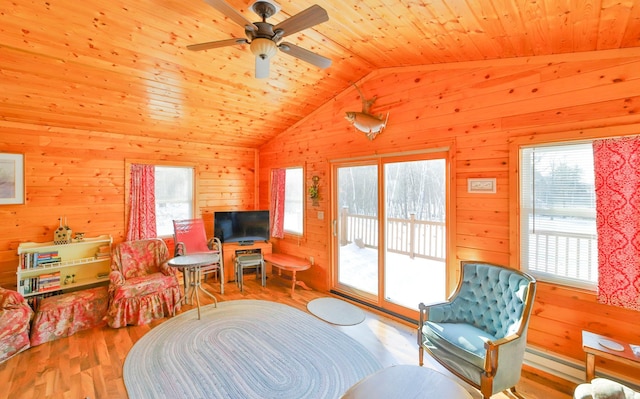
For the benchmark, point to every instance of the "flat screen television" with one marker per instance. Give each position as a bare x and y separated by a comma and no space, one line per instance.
244,227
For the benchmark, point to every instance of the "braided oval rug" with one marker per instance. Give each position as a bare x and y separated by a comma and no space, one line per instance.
245,349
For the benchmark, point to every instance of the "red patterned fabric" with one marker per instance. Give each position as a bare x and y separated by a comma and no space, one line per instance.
278,177
64,315
142,286
142,201
617,183
190,237
15,320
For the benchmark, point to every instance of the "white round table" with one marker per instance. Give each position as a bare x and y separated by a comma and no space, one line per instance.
192,264
407,382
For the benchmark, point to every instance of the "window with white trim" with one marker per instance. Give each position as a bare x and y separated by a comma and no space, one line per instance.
174,196
558,239
294,201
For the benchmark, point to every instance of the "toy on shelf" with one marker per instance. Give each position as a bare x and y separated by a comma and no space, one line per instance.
62,235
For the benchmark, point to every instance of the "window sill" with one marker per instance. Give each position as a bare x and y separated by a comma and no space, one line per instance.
581,285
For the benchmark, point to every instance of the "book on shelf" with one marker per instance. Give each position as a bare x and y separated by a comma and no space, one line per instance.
51,259
34,301
103,275
48,282
104,251
41,283
45,255
24,286
49,279
30,260
44,278
49,288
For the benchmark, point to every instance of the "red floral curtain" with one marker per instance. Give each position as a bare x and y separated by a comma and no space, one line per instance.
142,200
617,183
278,177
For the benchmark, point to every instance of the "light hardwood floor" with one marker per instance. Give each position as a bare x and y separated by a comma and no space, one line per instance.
89,363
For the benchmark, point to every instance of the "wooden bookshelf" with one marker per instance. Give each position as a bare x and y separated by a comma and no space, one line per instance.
47,267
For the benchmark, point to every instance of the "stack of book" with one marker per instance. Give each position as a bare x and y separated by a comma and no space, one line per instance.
104,251
49,282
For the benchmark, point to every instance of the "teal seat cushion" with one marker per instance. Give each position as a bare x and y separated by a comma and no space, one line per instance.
461,340
490,304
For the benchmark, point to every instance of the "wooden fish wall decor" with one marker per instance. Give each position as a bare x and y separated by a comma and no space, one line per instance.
371,125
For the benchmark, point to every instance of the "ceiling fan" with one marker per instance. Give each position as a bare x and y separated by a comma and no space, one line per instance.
265,39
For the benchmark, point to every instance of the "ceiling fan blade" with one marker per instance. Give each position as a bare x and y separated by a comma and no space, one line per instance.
232,14
305,55
262,67
216,44
305,19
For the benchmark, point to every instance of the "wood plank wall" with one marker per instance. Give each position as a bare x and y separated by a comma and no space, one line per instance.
478,109
80,174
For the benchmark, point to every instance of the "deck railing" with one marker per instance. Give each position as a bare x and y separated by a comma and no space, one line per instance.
415,238
572,255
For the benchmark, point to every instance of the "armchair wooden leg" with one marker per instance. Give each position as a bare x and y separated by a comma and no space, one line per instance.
513,392
421,356
486,386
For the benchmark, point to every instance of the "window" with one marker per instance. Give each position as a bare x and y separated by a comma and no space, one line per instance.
294,201
558,214
174,196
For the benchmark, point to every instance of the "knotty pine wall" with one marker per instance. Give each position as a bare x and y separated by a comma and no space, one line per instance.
81,175
478,109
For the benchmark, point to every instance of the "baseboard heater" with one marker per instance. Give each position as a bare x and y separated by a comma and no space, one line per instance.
569,369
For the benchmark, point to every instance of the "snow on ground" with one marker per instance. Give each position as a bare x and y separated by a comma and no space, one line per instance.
408,281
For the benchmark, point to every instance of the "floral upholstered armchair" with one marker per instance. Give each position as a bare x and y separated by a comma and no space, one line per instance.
480,333
15,320
142,286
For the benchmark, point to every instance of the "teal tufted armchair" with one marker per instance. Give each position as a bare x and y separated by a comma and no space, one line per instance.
480,333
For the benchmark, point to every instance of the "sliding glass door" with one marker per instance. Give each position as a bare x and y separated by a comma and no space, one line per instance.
356,228
390,231
415,220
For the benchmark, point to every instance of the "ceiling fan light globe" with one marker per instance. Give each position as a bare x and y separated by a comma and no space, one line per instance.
263,48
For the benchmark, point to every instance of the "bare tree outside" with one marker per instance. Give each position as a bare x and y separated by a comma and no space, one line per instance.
414,227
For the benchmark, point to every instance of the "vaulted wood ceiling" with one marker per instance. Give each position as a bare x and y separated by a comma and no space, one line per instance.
122,66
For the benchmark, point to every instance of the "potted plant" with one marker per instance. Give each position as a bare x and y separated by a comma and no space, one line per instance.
314,193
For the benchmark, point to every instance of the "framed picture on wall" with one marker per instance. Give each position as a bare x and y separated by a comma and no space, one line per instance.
11,179
481,186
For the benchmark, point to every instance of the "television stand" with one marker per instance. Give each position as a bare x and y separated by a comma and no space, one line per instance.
229,250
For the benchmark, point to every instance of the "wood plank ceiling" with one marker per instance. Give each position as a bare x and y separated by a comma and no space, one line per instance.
122,67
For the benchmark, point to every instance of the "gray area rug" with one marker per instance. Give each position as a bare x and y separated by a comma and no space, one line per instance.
245,349
336,311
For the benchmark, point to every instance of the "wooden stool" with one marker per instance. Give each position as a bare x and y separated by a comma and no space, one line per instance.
244,261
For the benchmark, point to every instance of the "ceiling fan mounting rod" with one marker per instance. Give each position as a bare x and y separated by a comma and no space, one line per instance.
263,9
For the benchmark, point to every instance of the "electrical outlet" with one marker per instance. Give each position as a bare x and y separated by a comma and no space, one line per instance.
311,260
